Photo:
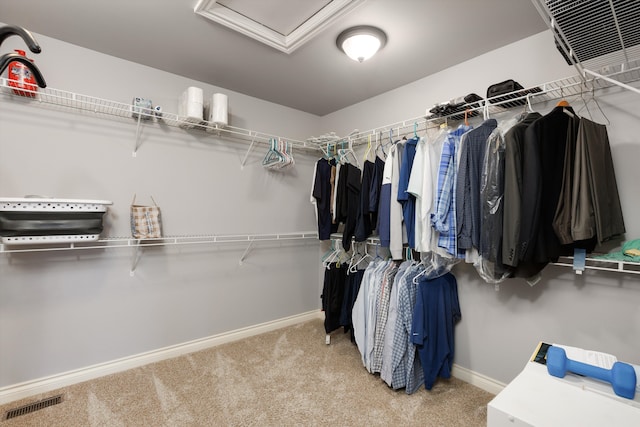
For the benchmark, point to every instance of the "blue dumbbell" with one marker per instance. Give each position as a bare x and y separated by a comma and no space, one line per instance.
622,376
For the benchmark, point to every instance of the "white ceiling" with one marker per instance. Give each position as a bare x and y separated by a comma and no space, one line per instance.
424,37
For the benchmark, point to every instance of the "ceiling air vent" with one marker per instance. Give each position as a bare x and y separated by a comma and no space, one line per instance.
594,32
282,24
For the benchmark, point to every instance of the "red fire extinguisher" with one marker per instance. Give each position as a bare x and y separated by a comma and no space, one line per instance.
20,77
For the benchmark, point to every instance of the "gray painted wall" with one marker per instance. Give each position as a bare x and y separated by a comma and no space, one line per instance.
500,329
61,311
64,311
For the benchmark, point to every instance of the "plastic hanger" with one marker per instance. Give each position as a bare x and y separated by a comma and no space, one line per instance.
272,156
279,155
366,154
417,277
348,154
528,106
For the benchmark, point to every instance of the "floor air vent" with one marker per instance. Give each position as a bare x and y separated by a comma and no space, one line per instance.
32,407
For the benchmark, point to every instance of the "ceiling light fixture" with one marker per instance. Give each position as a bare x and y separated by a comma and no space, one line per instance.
362,42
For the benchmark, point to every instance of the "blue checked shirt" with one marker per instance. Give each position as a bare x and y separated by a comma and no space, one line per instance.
407,370
381,316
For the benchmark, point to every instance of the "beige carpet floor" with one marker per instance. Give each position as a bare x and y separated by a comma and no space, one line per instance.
288,377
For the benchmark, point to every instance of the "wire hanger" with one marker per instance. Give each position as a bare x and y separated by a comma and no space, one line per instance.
563,102
586,106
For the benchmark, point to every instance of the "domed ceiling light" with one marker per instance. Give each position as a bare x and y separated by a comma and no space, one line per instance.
362,42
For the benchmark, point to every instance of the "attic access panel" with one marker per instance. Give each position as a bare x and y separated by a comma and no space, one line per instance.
597,33
282,24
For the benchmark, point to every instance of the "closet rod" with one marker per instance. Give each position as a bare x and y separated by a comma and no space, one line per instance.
97,106
610,80
591,263
549,91
128,242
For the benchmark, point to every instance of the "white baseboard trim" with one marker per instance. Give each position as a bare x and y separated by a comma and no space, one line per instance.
46,384
476,379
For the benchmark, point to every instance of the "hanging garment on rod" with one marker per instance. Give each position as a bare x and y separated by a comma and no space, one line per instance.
596,209
333,295
352,287
514,148
397,229
444,216
489,264
467,190
374,193
365,220
350,175
390,227
422,184
543,170
321,197
407,199
363,313
382,313
400,366
337,194
436,312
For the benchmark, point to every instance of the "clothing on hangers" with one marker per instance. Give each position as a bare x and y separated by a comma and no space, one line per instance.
596,209
407,199
365,220
332,295
436,312
401,367
489,264
321,198
351,202
467,191
514,147
543,170
444,218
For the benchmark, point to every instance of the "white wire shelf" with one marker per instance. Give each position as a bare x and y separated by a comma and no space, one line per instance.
601,264
124,242
567,87
70,101
591,262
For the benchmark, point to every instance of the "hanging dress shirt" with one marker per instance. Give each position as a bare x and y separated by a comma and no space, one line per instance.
406,369
444,217
397,231
407,199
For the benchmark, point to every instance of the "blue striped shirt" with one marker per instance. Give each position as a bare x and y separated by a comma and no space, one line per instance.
444,217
